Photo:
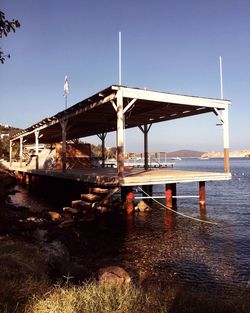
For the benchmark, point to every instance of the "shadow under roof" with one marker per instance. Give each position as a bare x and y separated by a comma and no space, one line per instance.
97,113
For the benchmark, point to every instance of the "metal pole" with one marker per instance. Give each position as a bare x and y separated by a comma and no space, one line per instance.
221,79
120,58
66,101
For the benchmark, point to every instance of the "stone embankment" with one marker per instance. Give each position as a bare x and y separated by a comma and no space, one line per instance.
6,180
233,154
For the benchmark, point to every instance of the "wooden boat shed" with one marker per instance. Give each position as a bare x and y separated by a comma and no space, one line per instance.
115,109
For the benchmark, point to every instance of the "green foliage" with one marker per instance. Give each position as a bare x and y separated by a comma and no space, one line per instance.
4,142
5,28
109,153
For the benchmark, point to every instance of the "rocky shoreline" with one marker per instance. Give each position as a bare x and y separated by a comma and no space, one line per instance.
6,181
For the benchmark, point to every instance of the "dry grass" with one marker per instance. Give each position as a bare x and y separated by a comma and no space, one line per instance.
90,297
93,297
23,273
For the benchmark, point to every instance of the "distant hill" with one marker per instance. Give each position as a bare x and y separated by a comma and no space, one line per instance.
233,154
185,154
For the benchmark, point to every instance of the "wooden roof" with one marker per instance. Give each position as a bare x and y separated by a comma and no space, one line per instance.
97,113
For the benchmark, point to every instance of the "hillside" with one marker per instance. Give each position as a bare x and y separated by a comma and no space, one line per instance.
185,154
233,154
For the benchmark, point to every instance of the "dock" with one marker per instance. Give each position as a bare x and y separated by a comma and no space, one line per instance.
108,177
116,109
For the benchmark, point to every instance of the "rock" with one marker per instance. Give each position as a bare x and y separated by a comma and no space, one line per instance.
114,275
102,209
67,223
142,206
54,216
70,210
56,255
40,234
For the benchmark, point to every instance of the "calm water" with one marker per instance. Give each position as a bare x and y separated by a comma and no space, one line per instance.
215,258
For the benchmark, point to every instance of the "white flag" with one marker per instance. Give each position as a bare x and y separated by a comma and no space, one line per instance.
66,86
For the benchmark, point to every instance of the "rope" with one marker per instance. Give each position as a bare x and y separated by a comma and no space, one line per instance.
176,212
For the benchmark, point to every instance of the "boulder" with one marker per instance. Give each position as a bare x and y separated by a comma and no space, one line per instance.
54,216
70,210
56,255
114,276
142,206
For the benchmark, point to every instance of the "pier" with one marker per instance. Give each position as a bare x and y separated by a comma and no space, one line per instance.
116,109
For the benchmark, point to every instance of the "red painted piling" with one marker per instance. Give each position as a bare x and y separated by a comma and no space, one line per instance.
129,203
170,191
202,195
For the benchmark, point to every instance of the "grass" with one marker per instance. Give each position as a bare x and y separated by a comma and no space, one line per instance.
90,297
22,274
25,288
94,297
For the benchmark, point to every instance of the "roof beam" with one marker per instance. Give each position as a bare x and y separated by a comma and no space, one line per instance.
172,98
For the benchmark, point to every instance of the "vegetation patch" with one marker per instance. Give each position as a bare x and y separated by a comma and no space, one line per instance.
23,274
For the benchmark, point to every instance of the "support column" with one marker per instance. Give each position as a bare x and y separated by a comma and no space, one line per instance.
170,192
21,152
226,141
149,190
145,129
37,146
120,136
102,136
127,197
11,142
64,147
202,195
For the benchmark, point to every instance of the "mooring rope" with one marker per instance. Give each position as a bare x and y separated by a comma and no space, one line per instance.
176,212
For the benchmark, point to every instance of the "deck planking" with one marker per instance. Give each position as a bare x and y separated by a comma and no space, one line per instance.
132,177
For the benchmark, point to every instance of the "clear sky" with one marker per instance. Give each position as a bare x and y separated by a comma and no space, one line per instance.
167,45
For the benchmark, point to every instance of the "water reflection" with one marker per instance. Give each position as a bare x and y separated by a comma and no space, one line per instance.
162,246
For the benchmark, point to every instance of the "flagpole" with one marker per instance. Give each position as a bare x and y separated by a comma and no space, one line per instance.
221,80
66,101
66,91
120,58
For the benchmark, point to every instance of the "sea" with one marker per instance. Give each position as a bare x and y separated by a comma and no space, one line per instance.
173,249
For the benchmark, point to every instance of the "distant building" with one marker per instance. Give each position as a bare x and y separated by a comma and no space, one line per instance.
4,135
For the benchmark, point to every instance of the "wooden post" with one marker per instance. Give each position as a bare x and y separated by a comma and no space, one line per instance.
174,199
145,129
64,147
37,146
102,136
120,136
145,148
226,141
21,152
11,142
202,195
149,190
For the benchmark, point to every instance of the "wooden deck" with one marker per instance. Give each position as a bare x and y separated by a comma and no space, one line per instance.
132,177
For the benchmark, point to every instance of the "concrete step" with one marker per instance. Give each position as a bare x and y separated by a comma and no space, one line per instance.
90,197
98,190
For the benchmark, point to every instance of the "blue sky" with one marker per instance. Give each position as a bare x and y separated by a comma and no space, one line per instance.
171,46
